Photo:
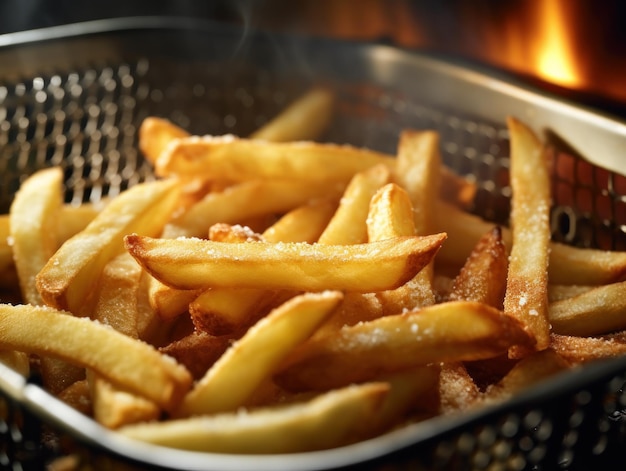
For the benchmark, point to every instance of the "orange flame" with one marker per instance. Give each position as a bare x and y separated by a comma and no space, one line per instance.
555,60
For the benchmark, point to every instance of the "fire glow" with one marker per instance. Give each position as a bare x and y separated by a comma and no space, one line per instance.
577,45
555,57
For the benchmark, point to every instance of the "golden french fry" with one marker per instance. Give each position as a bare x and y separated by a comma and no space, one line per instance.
526,296
198,351
222,311
155,134
580,350
600,310
390,214
69,221
245,200
348,224
407,390
234,234
33,216
254,357
126,362
117,306
457,389
355,308
303,224
452,331
118,292
304,119
167,302
527,371
327,421
195,263
561,292
114,407
68,278
235,159
418,172
593,267
483,277
73,219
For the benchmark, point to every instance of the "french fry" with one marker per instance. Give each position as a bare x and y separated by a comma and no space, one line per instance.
194,263
581,350
198,351
593,267
68,278
33,217
348,225
57,374
235,159
527,371
452,331
561,292
117,307
70,220
457,389
407,390
390,214
483,277
418,173
302,224
32,222
526,296
256,355
155,134
245,200
113,407
218,312
304,119
73,219
117,298
223,311
328,421
600,310
126,362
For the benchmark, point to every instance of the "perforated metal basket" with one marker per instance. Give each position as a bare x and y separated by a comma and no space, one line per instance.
75,97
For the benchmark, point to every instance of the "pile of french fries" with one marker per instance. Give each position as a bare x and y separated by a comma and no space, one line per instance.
272,294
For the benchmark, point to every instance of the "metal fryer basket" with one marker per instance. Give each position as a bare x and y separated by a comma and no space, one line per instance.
76,96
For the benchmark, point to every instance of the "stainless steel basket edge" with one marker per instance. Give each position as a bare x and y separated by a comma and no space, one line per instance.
529,105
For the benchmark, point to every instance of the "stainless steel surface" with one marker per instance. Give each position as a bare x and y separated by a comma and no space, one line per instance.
76,96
